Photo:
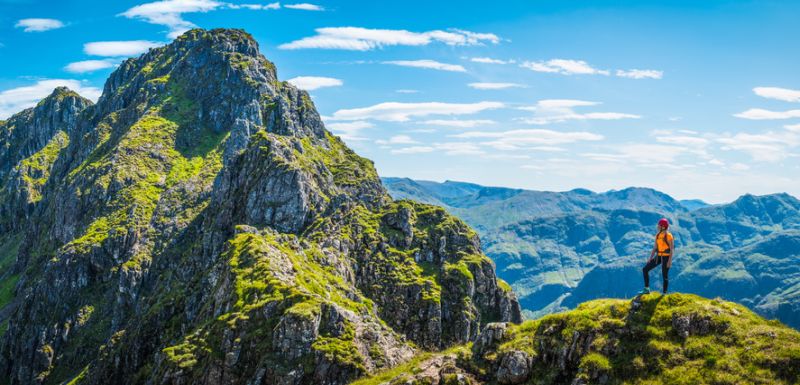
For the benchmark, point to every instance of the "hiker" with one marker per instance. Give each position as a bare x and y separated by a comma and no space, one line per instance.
661,254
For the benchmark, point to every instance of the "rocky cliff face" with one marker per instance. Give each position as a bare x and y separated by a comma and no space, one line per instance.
199,225
31,141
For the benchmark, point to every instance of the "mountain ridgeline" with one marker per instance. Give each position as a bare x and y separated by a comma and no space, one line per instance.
559,249
199,225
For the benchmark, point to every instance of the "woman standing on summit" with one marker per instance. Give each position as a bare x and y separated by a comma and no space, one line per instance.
661,254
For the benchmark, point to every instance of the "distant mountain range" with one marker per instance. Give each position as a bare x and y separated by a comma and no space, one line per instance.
558,249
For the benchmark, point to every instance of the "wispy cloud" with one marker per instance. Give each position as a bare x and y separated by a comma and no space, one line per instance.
458,123
401,112
769,147
39,25
762,114
413,150
643,154
364,39
564,67
683,140
495,86
118,48
397,139
777,93
527,138
640,74
14,100
429,64
349,130
407,91
562,110
90,65
783,94
488,60
580,67
446,148
314,82
169,13
256,7
304,7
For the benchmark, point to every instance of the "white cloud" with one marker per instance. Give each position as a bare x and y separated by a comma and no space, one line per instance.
407,91
684,140
118,48
559,103
644,154
446,148
561,110
401,112
397,139
350,126
89,65
169,13
39,25
564,66
349,130
459,148
739,167
364,39
783,94
17,99
488,60
640,74
413,150
304,7
458,123
314,82
527,138
256,7
793,127
767,147
762,114
429,64
495,86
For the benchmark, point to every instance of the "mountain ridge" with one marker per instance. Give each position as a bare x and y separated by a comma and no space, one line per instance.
651,339
201,225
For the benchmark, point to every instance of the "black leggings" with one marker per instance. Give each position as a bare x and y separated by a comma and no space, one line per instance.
651,264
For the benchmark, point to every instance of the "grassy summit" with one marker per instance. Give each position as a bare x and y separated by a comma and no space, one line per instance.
673,339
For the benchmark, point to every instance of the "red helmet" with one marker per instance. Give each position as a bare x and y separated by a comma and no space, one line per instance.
663,222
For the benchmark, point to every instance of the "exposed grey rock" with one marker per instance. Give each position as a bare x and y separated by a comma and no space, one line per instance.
514,368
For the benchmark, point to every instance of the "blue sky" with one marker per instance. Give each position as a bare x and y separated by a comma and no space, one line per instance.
696,99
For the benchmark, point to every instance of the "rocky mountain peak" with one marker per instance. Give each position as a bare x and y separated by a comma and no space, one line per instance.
199,224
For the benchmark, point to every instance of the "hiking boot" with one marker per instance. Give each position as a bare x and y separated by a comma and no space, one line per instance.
645,291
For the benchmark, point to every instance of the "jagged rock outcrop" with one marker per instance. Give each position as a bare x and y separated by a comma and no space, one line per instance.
199,225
